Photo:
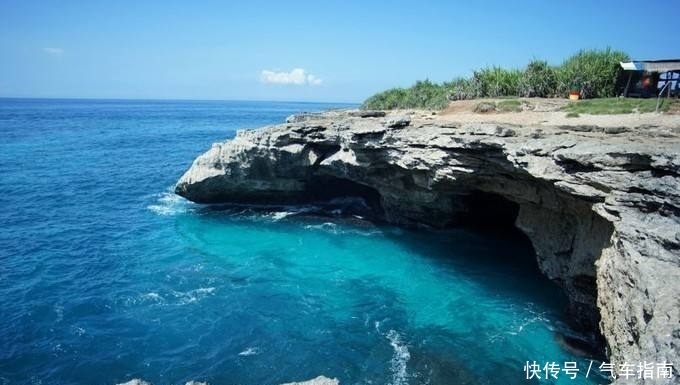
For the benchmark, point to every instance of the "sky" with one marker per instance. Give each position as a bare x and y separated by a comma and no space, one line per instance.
332,51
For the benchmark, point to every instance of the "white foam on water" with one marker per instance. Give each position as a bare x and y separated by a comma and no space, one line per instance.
250,351
135,381
288,211
332,228
278,215
170,298
153,296
326,226
399,359
59,310
169,203
192,296
535,317
197,267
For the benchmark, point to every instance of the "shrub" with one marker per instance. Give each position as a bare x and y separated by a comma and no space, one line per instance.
593,71
386,100
423,94
496,81
538,80
462,89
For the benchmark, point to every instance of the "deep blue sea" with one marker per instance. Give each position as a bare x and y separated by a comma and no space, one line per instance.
106,275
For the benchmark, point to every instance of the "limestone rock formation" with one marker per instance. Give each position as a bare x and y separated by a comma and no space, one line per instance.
601,207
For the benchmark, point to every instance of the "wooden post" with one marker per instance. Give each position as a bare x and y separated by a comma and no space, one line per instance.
625,92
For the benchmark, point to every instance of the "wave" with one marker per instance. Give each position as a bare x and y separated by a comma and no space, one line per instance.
168,203
250,351
335,229
193,295
288,211
172,297
530,317
399,359
138,381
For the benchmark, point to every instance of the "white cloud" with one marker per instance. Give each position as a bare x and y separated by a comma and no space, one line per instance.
297,76
313,80
53,50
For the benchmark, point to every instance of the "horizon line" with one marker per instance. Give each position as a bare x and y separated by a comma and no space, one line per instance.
172,99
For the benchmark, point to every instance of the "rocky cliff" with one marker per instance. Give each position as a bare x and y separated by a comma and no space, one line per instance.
601,206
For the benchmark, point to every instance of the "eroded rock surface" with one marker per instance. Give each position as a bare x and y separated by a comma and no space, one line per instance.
601,207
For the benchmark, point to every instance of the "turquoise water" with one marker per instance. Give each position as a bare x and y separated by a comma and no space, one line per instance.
105,275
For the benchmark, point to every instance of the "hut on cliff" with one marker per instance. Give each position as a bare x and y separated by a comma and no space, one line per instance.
650,78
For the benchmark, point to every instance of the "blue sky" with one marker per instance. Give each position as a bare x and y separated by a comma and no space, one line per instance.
295,50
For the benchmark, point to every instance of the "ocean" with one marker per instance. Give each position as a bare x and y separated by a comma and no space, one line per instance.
106,275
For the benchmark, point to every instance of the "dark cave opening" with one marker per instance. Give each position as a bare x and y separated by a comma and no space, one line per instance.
326,188
483,211
493,216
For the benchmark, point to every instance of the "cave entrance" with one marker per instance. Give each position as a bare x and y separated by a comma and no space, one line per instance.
325,188
495,217
486,212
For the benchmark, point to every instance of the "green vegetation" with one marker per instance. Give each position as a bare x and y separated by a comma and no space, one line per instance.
606,106
592,72
538,80
462,89
509,105
423,94
496,81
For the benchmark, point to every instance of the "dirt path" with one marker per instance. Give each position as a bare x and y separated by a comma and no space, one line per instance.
539,111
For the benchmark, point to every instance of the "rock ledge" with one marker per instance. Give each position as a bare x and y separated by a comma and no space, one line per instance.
601,207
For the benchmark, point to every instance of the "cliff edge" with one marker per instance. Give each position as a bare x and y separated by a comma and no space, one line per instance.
601,206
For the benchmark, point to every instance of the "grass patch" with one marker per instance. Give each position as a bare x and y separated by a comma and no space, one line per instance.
509,105
613,106
573,114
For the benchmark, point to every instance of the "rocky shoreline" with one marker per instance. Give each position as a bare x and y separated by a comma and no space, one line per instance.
601,206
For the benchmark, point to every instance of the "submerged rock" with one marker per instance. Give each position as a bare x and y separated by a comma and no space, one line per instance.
602,209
